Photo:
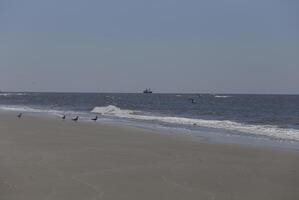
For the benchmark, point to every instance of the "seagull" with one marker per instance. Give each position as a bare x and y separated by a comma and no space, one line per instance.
63,117
19,115
75,119
95,119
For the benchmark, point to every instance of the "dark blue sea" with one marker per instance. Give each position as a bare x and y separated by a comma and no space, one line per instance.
273,117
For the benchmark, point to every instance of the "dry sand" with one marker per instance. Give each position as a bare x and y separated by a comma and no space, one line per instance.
44,158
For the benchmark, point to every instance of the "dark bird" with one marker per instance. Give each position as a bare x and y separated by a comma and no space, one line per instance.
75,119
192,100
63,117
19,115
95,119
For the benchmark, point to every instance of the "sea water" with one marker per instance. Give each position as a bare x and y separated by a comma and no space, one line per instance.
249,117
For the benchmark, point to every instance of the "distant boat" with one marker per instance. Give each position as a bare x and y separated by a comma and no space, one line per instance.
147,91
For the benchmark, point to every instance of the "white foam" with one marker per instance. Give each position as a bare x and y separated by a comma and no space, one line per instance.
12,94
112,110
27,109
222,96
262,130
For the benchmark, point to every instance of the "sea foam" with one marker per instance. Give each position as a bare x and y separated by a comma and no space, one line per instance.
261,130
221,96
12,94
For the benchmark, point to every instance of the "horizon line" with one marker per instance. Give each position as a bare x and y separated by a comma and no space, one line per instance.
93,92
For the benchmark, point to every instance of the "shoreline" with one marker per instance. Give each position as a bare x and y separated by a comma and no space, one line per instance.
42,158
209,135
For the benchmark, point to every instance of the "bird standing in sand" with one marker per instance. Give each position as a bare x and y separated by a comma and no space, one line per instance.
95,119
75,119
63,117
20,115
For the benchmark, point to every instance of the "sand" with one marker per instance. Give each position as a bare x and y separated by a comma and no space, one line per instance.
44,158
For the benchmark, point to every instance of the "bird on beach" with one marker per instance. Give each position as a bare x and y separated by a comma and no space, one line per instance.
63,117
19,115
75,119
95,119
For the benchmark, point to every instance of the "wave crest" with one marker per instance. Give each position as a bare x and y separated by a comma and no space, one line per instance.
262,130
12,94
112,110
222,96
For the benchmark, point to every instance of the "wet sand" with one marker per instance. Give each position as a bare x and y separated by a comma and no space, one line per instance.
43,158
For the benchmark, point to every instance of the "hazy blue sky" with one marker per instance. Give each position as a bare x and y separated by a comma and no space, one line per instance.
227,46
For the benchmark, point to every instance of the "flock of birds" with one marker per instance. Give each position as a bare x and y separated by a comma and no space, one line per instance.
75,119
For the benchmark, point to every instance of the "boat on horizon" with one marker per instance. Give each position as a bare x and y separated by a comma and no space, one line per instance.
147,91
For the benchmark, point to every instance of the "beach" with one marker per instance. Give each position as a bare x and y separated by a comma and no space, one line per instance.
48,158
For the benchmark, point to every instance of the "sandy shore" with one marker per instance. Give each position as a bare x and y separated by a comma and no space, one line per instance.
44,158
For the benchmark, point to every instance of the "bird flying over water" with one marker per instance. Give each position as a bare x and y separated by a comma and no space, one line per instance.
192,100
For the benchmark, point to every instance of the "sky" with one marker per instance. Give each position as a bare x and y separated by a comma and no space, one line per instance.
175,46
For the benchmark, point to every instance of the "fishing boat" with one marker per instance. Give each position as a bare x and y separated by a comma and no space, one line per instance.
147,91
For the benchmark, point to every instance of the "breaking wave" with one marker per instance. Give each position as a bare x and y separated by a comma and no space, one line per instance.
28,109
112,110
261,130
222,96
12,94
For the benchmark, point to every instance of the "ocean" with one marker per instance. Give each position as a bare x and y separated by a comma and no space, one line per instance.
270,117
